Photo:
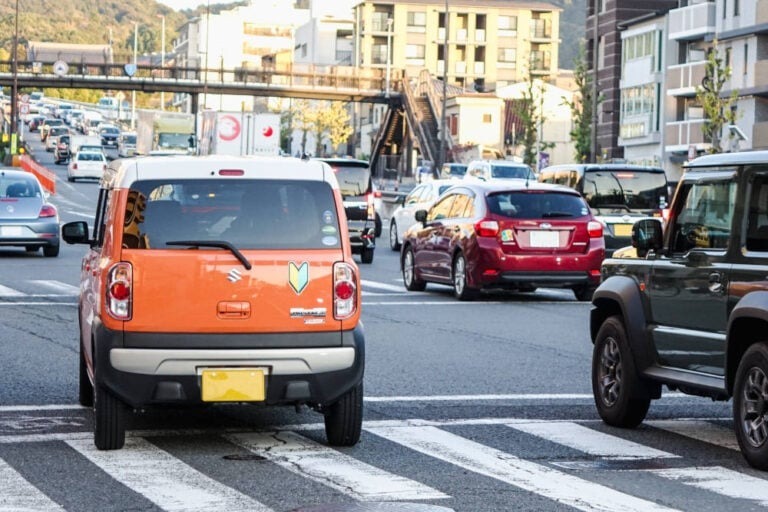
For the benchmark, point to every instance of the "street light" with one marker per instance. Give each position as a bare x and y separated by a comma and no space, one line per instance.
135,61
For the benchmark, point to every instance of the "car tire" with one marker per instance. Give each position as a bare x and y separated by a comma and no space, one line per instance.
85,391
344,419
394,243
584,293
461,289
614,378
408,268
366,256
750,405
31,248
378,227
70,179
51,251
109,416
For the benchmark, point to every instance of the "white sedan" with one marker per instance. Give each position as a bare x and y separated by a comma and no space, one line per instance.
420,198
87,164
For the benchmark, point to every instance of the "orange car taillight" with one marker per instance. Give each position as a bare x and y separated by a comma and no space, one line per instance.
47,211
344,291
119,291
487,228
594,229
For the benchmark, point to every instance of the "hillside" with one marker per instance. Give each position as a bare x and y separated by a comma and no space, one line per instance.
98,21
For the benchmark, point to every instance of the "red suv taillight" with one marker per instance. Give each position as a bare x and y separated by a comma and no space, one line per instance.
487,228
344,291
595,229
120,291
47,210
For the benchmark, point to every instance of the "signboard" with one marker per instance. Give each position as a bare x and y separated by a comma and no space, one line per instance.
60,68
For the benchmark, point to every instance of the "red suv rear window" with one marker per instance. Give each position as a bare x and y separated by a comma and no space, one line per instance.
537,204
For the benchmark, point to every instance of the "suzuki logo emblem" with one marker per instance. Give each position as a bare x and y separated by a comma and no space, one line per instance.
234,276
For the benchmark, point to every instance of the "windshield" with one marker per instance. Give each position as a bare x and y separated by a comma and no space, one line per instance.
626,191
129,139
173,140
512,171
354,179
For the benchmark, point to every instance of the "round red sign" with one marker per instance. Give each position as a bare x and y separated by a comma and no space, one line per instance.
229,128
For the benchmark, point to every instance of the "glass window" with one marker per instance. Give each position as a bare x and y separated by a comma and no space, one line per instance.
625,191
508,23
441,209
417,19
507,55
459,206
537,205
249,214
704,220
512,171
415,196
757,217
415,51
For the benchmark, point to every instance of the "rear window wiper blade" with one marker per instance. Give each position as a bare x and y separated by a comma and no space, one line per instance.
613,207
556,214
215,243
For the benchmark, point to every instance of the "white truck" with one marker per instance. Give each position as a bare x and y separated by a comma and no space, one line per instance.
164,132
239,133
78,141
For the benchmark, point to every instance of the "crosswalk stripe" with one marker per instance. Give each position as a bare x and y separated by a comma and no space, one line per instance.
10,292
17,494
382,286
719,480
700,430
590,441
165,480
485,460
327,466
58,286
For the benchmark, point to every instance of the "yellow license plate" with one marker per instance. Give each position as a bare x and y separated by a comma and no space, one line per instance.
622,229
233,385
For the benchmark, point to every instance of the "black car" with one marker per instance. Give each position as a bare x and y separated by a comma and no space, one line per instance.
354,177
690,312
109,135
62,152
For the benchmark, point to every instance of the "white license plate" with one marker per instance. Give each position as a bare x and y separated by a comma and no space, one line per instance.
10,231
544,238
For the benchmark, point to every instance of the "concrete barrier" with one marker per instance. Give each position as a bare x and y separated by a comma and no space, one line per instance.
46,177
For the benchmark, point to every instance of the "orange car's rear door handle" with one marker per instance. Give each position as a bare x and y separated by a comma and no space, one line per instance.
233,310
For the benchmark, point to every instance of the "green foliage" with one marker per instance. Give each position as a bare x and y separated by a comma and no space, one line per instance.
717,108
581,107
529,111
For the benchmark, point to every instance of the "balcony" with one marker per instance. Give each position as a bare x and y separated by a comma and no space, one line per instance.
541,30
692,22
682,79
480,35
679,135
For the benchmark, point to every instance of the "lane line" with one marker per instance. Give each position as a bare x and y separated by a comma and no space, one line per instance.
530,476
165,480
329,467
383,286
58,286
720,480
700,430
17,494
10,292
584,439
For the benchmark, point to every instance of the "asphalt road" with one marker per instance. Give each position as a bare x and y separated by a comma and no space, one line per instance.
482,406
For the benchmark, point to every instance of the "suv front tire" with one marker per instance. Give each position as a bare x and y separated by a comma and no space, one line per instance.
750,405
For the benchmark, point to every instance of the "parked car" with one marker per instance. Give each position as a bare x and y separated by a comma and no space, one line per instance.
453,170
126,144
87,164
506,234
498,169
422,197
619,195
689,313
354,177
61,152
295,338
53,137
109,134
27,219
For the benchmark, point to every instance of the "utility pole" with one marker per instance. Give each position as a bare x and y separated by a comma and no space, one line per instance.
443,134
15,88
162,60
595,62
135,61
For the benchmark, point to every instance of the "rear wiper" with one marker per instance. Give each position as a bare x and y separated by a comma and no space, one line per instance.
215,243
557,214
614,207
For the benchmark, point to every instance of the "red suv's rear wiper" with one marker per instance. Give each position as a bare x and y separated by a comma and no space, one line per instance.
215,243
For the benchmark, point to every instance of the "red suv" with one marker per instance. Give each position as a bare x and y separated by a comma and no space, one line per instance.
514,235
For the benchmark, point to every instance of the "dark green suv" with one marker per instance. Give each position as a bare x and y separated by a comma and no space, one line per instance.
691,312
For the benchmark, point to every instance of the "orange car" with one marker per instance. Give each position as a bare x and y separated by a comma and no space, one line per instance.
218,279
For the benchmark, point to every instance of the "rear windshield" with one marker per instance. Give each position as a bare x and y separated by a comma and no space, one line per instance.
452,170
626,191
249,214
536,205
129,139
18,187
512,171
354,178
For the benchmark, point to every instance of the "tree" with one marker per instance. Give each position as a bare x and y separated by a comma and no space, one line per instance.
717,108
581,107
530,112
337,124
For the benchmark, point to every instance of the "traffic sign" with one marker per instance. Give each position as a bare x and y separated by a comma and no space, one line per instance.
25,98
60,68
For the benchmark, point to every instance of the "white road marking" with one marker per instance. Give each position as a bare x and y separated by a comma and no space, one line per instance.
700,430
542,480
590,441
52,407
58,286
165,480
332,468
383,286
38,303
720,480
472,398
10,292
17,494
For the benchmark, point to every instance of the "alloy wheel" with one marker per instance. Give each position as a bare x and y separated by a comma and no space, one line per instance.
610,372
459,277
754,411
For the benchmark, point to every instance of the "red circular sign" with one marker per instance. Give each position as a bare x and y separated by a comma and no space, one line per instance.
229,128
268,131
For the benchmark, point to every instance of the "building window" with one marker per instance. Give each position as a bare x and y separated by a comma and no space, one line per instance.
417,19
601,52
508,55
415,51
725,9
638,47
736,9
728,52
379,54
508,25
487,118
746,59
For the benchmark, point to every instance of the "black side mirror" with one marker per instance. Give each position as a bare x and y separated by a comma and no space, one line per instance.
75,232
647,236
420,216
